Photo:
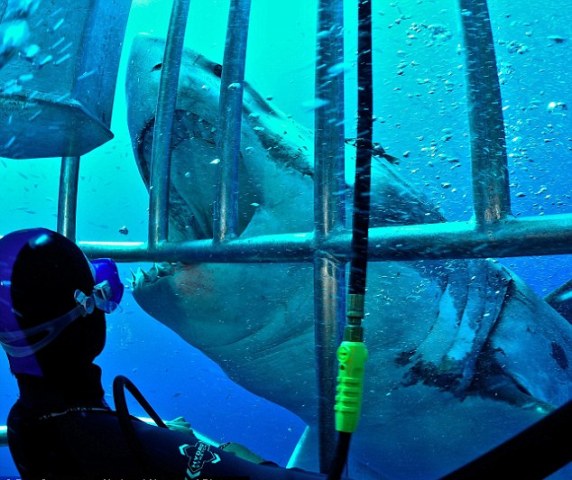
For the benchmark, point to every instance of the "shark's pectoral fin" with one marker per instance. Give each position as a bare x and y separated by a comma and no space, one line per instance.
531,343
508,343
306,455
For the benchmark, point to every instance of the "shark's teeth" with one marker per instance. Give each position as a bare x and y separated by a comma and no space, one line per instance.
153,272
142,274
164,268
157,271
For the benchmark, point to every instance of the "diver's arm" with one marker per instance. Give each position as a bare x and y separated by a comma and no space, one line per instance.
179,451
181,425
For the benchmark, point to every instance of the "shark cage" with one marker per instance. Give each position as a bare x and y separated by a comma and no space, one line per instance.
74,118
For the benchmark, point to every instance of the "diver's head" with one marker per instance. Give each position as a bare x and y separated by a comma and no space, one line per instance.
53,302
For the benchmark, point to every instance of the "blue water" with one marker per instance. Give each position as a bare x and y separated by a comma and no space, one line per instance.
420,104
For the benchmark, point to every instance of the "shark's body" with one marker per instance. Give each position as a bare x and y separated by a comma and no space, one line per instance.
462,353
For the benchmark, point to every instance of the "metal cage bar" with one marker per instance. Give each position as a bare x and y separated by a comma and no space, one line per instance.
491,198
225,215
329,215
166,105
548,235
67,199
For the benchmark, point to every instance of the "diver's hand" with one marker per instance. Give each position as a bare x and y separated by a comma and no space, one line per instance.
242,452
179,424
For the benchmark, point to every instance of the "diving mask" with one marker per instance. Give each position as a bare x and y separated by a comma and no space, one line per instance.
105,296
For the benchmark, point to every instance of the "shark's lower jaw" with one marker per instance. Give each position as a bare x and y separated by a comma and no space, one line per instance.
490,383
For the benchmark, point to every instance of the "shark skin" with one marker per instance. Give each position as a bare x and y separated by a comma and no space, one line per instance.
462,354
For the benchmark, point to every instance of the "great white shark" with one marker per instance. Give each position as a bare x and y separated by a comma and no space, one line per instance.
462,353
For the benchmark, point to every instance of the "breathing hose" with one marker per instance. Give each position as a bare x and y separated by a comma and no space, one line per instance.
120,383
352,352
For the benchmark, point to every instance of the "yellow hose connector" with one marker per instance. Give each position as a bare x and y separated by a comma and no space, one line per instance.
349,392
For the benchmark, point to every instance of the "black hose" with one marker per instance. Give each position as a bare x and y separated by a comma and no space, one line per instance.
362,186
340,456
120,383
361,208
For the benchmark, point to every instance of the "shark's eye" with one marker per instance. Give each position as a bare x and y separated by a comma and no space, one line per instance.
217,70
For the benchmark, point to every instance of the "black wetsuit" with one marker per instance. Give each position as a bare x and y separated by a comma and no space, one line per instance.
65,431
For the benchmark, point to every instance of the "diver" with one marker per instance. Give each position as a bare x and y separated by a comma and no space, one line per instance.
53,302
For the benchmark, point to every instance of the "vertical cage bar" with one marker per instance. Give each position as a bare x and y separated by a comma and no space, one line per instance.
491,198
329,214
67,199
225,215
166,104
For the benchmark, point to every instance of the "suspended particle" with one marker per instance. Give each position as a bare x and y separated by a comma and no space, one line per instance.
47,59
31,51
315,104
58,24
557,38
61,60
554,107
85,75
25,77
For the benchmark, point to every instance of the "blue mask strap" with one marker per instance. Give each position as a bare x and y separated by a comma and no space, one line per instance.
85,305
50,330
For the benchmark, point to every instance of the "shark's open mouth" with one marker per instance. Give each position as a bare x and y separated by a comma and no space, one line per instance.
186,126
194,177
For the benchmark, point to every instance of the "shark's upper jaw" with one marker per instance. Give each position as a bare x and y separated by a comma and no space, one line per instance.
194,157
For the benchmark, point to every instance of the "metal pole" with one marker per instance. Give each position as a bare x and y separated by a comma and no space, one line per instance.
166,104
550,235
225,215
491,196
67,200
329,215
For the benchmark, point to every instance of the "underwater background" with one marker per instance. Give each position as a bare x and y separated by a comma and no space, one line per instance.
421,119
